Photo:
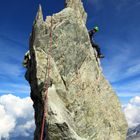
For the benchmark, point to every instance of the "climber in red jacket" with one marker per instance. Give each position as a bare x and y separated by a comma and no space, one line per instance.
94,45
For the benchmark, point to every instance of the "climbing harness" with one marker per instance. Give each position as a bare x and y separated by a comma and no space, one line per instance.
47,74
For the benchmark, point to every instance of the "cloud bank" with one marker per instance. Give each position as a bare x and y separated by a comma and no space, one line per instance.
16,117
132,112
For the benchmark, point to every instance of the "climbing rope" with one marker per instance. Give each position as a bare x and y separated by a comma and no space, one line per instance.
47,80
47,74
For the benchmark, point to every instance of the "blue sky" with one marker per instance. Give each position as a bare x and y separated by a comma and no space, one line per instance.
119,23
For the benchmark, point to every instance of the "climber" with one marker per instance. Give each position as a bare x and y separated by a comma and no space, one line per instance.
94,45
26,59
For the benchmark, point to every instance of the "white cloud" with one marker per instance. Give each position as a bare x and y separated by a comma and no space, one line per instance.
135,101
24,129
16,117
132,111
7,123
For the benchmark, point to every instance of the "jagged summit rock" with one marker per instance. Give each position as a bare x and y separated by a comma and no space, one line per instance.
77,5
39,15
81,104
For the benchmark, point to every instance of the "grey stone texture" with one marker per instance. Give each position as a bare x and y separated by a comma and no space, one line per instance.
81,104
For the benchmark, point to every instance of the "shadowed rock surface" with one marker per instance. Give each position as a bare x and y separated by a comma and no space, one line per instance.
81,103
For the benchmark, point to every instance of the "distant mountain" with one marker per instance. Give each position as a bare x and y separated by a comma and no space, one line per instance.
134,133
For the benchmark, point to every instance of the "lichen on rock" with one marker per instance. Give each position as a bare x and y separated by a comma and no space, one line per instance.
81,104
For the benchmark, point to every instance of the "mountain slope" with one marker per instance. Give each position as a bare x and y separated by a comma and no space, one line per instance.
134,133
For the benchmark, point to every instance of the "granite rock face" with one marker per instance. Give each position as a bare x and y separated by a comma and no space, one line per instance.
81,104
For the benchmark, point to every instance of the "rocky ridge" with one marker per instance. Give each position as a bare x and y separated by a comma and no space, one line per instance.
81,104
133,133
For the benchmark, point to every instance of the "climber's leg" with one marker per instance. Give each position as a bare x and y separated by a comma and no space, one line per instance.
94,45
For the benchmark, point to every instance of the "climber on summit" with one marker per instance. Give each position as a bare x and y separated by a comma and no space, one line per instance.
94,45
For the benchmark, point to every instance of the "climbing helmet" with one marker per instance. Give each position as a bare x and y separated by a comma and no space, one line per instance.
96,28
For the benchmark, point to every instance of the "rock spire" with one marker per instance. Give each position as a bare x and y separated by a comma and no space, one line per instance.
39,15
81,104
77,5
